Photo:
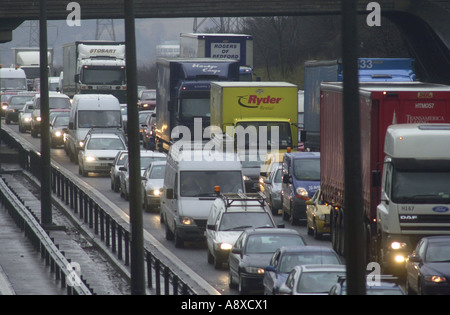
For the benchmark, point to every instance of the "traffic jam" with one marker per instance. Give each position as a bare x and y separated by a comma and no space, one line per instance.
229,162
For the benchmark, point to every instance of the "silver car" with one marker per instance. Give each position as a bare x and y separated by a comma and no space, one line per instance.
99,152
271,187
114,173
25,117
312,279
152,185
147,157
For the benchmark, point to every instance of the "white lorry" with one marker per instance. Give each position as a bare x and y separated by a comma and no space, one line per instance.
28,59
415,189
94,67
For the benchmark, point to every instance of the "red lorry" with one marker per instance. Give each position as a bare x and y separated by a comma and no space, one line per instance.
381,105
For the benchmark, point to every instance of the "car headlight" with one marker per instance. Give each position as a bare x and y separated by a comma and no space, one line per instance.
257,270
89,158
27,119
225,246
4,107
57,133
39,118
435,279
302,193
80,144
187,221
155,192
398,245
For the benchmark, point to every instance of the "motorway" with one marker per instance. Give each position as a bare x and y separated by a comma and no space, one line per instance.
194,254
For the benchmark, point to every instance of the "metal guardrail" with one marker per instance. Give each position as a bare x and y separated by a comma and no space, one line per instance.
58,263
115,236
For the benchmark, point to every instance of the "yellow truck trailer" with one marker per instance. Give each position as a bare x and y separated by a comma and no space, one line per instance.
269,107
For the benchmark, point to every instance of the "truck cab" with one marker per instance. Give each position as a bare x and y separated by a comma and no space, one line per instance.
183,96
415,189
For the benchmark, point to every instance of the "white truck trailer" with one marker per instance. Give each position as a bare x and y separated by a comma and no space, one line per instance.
28,59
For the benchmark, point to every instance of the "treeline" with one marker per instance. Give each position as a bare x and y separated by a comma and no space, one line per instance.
283,44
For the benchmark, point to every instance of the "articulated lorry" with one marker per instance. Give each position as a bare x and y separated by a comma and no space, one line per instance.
415,188
183,96
95,67
256,119
237,107
370,70
224,46
381,105
28,59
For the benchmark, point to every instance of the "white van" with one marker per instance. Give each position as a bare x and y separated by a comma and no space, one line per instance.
12,79
188,191
90,111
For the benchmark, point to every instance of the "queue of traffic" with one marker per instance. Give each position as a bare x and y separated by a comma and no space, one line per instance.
212,195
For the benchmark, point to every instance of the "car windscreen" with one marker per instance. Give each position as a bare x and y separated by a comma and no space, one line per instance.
307,169
269,243
55,103
239,221
146,160
61,121
201,183
105,144
290,260
19,101
318,282
99,118
157,172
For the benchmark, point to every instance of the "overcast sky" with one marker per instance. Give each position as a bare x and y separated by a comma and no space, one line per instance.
149,33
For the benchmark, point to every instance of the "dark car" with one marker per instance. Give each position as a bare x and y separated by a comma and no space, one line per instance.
57,125
286,258
147,100
252,252
386,285
143,115
428,268
148,132
16,103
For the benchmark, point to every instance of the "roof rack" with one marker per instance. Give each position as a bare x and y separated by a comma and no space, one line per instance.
230,199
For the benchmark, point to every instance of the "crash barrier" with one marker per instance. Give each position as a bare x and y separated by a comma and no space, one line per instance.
161,279
41,241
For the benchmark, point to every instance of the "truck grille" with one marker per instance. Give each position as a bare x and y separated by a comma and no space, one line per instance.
424,222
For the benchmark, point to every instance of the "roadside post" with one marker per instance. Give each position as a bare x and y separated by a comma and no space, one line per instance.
137,269
46,199
354,243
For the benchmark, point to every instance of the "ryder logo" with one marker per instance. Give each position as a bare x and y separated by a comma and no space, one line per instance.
253,101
